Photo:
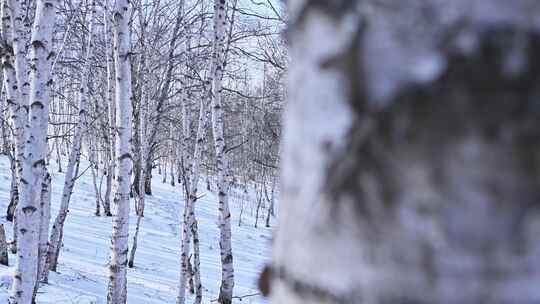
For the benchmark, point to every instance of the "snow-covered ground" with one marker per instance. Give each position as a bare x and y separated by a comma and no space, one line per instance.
82,273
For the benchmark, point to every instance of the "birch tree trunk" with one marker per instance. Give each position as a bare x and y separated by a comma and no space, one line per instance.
111,169
74,155
46,192
117,293
20,29
164,179
270,200
186,141
218,65
4,259
189,220
13,193
34,165
196,275
94,169
4,143
410,157
17,110
184,254
143,152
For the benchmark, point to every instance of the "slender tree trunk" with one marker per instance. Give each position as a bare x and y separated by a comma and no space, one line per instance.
143,154
20,28
4,260
190,273
196,260
58,158
131,261
108,188
55,243
270,200
184,254
259,203
46,193
4,142
13,203
171,163
218,64
17,110
185,164
192,172
95,171
34,166
418,190
13,193
111,168
148,175
164,179
117,292
172,155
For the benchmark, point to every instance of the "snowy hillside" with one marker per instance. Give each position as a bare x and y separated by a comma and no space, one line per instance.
82,276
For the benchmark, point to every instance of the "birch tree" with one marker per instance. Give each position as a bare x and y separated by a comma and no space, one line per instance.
111,168
117,291
17,111
33,169
218,65
143,143
43,243
4,258
190,167
410,156
189,224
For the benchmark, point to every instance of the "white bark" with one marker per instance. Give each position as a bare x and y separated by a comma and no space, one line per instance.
117,292
46,194
143,152
184,255
4,143
94,169
186,139
21,29
196,275
111,168
34,166
218,66
189,220
18,112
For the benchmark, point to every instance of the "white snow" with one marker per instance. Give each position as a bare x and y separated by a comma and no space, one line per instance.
82,271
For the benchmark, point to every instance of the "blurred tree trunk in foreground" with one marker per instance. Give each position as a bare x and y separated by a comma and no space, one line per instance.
411,157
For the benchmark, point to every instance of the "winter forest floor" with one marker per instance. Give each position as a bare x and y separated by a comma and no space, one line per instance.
82,274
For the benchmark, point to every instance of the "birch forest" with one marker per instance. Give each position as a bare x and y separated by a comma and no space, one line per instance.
122,121
270,151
